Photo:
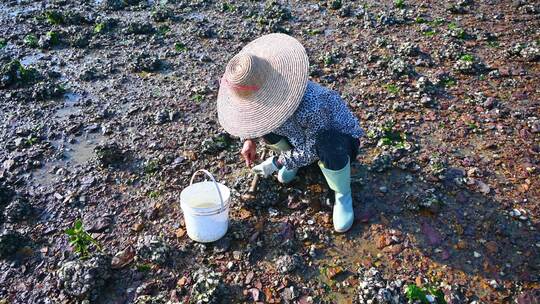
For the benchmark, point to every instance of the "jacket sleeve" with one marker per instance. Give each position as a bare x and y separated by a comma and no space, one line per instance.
340,116
299,156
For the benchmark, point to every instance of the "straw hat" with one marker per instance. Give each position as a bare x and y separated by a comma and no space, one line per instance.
262,86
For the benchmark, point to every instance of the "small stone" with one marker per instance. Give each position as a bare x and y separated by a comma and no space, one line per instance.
477,255
484,188
123,258
180,232
237,255
182,281
249,277
137,227
491,247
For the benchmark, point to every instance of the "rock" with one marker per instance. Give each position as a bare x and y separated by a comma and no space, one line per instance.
492,247
237,255
409,49
137,227
123,258
98,224
426,101
222,245
113,5
482,187
216,144
398,67
109,154
144,62
333,272
84,279
288,263
153,249
289,294
206,287
10,243
19,209
373,288
6,194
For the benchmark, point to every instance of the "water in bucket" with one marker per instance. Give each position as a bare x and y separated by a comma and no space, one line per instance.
206,209
203,203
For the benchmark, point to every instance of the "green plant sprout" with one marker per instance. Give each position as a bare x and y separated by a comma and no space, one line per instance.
467,58
24,74
420,20
437,22
81,240
392,88
144,267
99,28
54,17
54,37
313,32
457,31
31,140
3,43
180,47
197,98
399,3
429,33
151,167
390,137
227,7
415,293
31,41
163,30
154,194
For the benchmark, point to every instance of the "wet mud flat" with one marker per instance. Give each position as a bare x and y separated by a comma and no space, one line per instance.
108,107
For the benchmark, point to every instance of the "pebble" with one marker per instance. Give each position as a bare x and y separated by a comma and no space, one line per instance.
476,254
237,255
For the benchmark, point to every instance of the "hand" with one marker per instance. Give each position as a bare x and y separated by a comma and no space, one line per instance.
249,152
266,168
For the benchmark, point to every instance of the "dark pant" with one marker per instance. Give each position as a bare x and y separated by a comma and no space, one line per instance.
333,148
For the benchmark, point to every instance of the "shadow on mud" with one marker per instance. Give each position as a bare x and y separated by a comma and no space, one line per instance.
450,224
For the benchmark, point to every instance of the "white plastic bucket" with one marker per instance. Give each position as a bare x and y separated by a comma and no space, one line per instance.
206,209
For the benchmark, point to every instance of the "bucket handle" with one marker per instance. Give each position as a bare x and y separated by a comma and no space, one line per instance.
215,184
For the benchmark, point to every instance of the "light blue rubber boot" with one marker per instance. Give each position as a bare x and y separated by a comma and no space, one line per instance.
340,182
285,175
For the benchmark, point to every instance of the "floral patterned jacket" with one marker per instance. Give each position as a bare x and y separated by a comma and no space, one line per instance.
320,109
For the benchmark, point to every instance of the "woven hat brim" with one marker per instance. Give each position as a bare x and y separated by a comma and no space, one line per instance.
277,99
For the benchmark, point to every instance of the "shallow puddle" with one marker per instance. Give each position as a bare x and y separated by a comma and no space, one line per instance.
75,154
69,108
31,59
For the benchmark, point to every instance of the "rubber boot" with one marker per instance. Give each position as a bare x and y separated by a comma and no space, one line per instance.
340,182
285,175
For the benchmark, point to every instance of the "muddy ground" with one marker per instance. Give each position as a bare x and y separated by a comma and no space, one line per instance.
108,107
